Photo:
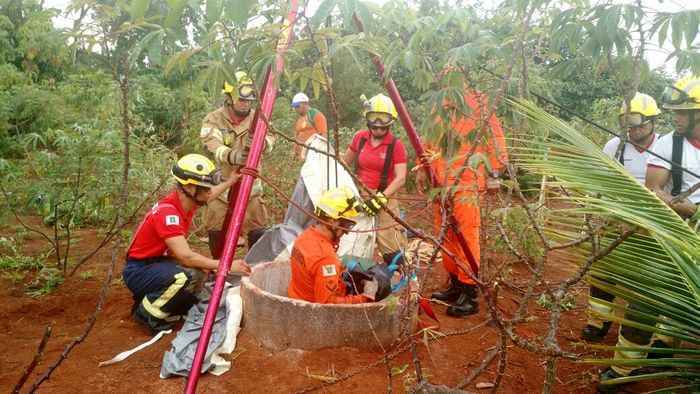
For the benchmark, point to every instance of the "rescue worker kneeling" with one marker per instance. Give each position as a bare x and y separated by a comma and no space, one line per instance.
161,268
317,272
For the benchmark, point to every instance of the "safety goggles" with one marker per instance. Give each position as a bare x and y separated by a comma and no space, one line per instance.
191,176
379,119
674,96
632,120
247,93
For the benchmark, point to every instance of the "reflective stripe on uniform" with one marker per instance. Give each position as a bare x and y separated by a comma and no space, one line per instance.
596,309
666,339
221,154
625,370
154,308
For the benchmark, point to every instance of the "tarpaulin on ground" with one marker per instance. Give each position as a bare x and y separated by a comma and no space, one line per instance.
178,360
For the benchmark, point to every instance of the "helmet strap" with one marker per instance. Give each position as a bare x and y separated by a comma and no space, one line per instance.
191,196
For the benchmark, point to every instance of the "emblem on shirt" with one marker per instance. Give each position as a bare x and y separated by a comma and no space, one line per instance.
172,220
328,270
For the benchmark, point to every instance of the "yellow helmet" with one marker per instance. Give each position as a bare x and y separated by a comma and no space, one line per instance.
338,203
380,111
246,88
684,94
641,104
194,169
643,109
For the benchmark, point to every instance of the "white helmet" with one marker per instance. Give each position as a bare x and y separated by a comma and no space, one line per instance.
299,98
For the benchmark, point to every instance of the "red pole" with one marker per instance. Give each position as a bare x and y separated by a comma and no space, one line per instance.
241,202
407,123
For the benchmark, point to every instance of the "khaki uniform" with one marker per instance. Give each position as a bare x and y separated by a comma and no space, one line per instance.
226,141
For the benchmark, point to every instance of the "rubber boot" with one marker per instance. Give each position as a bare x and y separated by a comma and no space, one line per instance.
606,375
215,243
466,304
154,324
594,334
450,294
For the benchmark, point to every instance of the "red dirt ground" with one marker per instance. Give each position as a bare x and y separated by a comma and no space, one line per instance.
255,370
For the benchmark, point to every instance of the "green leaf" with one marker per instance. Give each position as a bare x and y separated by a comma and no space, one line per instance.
677,30
213,11
238,11
138,9
149,41
663,30
322,12
175,9
692,27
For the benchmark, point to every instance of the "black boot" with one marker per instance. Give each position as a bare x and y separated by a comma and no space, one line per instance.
215,243
595,334
452,292
152,323
466,304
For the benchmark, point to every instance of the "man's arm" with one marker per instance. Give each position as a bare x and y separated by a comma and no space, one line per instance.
656,180
223,186
327,287
180,249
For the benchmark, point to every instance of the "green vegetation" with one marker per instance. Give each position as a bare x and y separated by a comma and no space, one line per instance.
93,115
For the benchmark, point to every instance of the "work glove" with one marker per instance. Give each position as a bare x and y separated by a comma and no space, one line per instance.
374,205
370,290
217,177
238,157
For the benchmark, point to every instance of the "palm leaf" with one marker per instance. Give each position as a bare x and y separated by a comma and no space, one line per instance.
656,268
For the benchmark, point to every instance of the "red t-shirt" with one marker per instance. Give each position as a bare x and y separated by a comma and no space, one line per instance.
165,220
370,162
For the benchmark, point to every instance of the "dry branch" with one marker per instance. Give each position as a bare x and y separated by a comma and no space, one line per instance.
88,327
35,360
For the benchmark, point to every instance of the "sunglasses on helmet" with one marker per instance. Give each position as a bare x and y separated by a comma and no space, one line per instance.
632,120
674,96
379,119
247,93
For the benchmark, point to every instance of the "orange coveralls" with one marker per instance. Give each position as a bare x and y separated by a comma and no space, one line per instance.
313,122
472,182
316,271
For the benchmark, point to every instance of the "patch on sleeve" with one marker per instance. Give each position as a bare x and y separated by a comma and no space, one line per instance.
328,270
172,220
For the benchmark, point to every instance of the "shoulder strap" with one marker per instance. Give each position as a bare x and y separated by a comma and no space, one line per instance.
622,152
677,162
383,181
360,145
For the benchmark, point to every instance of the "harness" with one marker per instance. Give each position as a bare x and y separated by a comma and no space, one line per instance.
384,179
677,161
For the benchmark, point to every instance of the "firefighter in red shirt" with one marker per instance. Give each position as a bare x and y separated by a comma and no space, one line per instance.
316,269
380,161
161,267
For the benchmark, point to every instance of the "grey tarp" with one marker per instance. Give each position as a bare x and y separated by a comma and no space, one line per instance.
273,244
178,360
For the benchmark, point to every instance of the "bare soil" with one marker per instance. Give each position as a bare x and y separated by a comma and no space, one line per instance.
255,370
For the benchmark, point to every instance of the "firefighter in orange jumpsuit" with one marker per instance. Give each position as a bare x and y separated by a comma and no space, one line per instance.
316,268
487,145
